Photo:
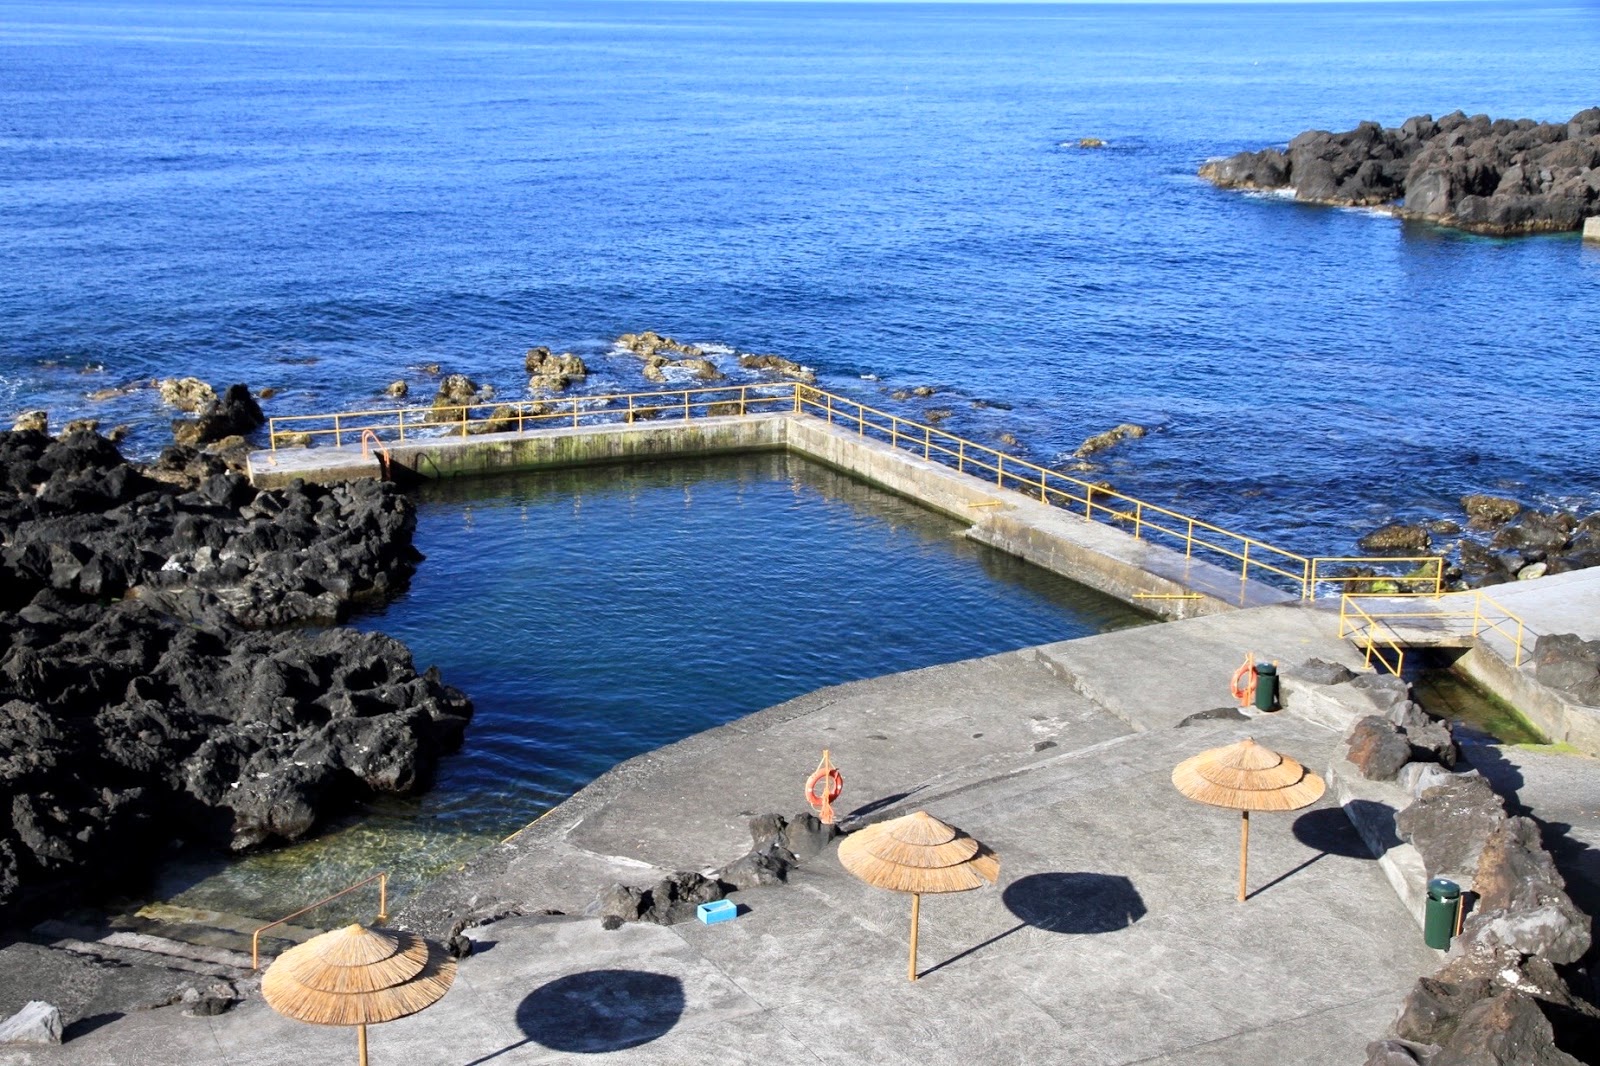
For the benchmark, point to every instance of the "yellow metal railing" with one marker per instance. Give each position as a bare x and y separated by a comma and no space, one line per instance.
383,912
523,415
1485,616
1252,557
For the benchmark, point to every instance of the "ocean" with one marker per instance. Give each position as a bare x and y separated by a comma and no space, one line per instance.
325,196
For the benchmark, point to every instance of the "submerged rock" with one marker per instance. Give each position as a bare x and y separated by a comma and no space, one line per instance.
1111,437
552,372
778,364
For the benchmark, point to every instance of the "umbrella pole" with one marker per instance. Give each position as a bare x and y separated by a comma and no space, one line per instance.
361,1042
1244,850
916,908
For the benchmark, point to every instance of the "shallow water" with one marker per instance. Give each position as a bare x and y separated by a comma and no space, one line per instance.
597,614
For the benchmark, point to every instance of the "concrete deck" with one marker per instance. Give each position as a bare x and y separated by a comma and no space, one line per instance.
1113,936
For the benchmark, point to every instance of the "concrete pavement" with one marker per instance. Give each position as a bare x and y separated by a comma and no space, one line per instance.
1113,936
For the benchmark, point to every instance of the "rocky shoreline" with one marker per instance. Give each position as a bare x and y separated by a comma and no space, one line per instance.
1498,177
159,686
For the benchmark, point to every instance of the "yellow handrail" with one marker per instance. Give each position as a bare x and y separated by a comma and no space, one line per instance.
1144,520
1348,607
1485,615
381,877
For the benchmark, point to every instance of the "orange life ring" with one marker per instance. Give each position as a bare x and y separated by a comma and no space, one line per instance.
1244,683
835,786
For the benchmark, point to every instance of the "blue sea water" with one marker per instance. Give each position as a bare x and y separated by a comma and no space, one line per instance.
323,196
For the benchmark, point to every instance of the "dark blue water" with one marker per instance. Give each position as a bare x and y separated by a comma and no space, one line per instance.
322,196
597,614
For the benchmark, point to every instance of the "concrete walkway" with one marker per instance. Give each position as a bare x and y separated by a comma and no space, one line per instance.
1113,936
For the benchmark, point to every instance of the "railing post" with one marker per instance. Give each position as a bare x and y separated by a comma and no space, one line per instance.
861,420
1138,518
744,397
894,431
686,405
1308,582
1044,496
1088,501
463,420
1000,471
1518,656
1244,568
574,403
797,387
272,433
961,457
338,436
1188,541
383,897
927,442
521,407
630,408
829,395
401,422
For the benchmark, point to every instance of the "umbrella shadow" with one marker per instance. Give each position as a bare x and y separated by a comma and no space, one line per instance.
598,1011
1075,902
1327,830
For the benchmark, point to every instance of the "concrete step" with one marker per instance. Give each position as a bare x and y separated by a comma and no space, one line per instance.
188,938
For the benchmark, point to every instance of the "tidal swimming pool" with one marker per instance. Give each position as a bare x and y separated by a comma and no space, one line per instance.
596,614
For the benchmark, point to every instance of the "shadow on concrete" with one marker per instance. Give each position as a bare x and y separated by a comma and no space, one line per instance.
1064,903
874,806
1330,832
85,1026
598,1011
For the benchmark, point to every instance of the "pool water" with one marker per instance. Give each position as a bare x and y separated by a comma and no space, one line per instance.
596,614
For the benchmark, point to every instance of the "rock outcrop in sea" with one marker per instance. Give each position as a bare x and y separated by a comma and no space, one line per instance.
143,702
1498,176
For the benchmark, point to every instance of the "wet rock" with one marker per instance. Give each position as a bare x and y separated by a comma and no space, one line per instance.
552,372
1111,437
778,364
1450,825
36,1023
1490,510
704,369
651,343
235,414
1091,142
80,425
186,394
1535,531
397,389
456,393
503,419
1397,537
32,422
1377,748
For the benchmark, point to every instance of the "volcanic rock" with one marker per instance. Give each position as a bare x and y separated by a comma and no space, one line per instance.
1522,900
456,393
1500,177
1490,510
32,422
777,363
36,1023
552,372
1101,441
186,394
1397,537
1377,748
1450,824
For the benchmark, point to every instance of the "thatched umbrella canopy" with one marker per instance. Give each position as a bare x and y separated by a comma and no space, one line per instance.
358,976
1247,777
917,854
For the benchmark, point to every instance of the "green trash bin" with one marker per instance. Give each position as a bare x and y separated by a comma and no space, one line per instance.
1266,687
1441,912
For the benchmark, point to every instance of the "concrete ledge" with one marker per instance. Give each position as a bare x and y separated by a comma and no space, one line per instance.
1555,715
319,466
1371,807
548,449
1091,553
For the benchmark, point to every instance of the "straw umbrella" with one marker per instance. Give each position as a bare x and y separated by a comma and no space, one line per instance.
1247,777
358,976
917,854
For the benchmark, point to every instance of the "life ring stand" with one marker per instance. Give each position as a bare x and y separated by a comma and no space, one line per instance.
1244,681
823,787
